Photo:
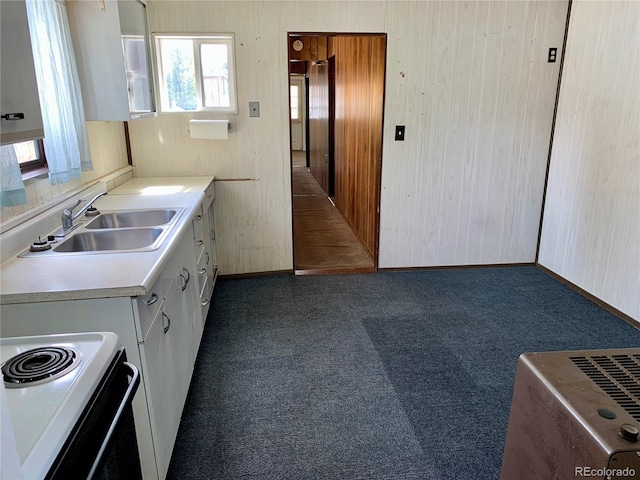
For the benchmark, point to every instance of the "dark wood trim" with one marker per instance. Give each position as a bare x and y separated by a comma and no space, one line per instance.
457,267
239,276
37,167
39,173
553,128
335,34
589,296
307,132
127,140
335,271
331,167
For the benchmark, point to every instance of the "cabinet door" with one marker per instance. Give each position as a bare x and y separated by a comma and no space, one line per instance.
180,332
167,374
18,87
207,264
191,293
112,51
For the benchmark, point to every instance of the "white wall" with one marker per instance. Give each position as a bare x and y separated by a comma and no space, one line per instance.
468,79
472,84
591,229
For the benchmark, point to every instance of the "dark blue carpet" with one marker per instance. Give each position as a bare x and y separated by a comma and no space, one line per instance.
394,375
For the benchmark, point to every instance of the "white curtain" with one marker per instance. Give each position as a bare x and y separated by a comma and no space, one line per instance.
12,190
65,135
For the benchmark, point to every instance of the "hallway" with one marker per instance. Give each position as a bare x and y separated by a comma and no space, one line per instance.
323,241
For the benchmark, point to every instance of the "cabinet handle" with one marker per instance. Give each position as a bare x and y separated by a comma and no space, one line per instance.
198,217
207,254
199,243
153,299
186,279
168,326
204,302
202,271
12,116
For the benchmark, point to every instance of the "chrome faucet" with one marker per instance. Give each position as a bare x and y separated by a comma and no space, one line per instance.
67,213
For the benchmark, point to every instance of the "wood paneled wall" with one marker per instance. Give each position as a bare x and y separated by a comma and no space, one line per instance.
471,82
314,48
468,79
319,123
359,93
591,227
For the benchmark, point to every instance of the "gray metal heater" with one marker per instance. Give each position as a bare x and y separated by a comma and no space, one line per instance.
575,414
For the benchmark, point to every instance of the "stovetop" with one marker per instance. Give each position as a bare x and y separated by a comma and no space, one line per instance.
44,413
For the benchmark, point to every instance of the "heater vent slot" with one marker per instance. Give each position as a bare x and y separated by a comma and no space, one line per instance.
618,376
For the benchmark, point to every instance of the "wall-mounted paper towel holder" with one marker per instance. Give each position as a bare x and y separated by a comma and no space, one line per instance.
209,129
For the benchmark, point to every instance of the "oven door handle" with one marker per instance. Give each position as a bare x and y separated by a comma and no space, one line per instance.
133,372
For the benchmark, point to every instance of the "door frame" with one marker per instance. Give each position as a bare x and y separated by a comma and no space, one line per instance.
378,187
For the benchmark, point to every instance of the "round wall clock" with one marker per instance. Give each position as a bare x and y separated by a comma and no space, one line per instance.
298,45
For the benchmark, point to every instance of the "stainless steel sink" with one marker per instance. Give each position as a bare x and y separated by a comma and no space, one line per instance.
119,231
120,240
133,218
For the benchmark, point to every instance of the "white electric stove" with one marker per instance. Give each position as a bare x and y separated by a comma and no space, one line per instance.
49,381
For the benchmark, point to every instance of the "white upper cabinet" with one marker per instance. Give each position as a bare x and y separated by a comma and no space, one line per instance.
112,49
18,87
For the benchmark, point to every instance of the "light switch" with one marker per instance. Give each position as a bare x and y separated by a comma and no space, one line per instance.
254,109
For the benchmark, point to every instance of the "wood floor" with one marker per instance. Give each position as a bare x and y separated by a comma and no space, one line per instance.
323,242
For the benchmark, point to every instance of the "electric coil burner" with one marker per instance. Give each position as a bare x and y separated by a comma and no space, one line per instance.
66,407
39,365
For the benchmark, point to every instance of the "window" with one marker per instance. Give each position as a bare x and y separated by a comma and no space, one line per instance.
295,102
30,155
196,73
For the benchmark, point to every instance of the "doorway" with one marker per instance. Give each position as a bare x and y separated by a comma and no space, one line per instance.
336,175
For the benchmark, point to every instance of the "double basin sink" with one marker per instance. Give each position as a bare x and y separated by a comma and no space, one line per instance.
116,232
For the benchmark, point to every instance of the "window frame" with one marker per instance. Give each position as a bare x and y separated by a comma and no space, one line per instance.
36,167
227,39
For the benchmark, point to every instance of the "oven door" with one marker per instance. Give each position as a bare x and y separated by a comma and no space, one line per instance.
103,442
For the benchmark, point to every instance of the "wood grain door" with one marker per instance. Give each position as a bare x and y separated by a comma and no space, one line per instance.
359,93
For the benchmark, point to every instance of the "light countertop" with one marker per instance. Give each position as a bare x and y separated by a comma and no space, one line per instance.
103,275
152,186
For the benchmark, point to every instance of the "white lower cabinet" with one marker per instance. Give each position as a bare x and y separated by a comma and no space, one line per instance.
168,373
161,333
169,349
205,241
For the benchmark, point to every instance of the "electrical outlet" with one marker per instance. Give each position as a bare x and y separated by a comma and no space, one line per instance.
552,55
254,109
399,133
